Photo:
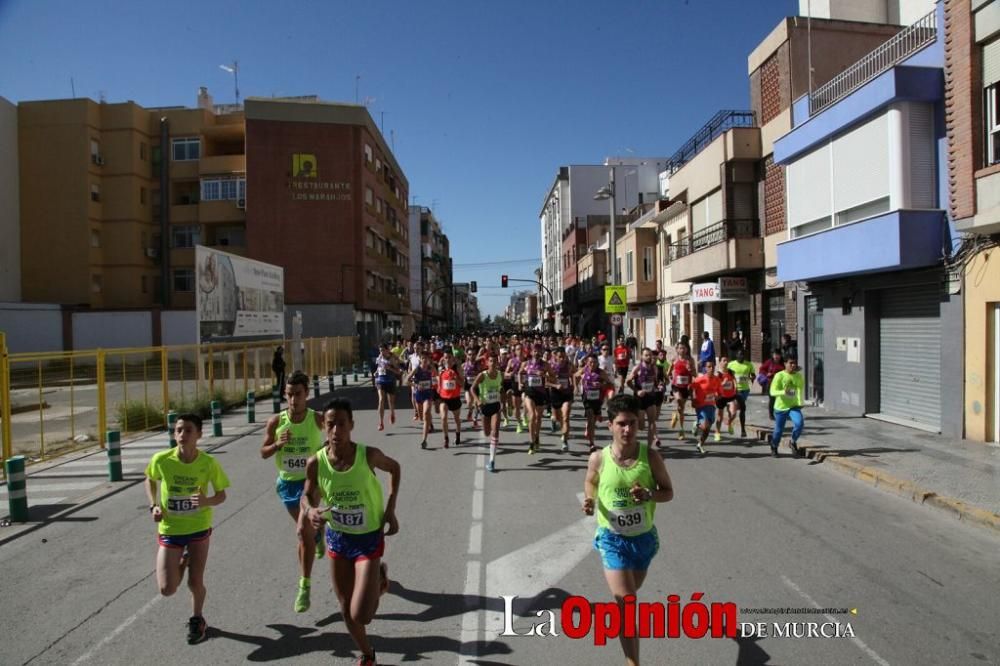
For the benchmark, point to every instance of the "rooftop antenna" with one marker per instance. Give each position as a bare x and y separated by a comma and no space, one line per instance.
72,87
357,82
234,69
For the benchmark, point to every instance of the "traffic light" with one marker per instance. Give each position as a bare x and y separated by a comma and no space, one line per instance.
503,281
472,287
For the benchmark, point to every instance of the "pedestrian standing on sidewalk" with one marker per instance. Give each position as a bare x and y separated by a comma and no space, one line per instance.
177,482
623,485
278,368
786,390
768,369
707,351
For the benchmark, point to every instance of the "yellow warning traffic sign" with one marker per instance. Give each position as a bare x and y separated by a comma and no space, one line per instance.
614,299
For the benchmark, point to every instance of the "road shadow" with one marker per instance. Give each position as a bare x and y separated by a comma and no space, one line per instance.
750,654
294,641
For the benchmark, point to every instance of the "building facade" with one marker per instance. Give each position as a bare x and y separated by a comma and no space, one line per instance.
10,225
436,284
972,113
868,236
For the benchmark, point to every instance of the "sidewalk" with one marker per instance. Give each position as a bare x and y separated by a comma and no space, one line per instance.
64,483
953,475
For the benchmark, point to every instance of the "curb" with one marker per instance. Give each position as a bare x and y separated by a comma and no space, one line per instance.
877,478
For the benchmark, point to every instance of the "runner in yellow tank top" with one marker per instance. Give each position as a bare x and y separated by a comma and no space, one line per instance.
291,437
624,482
342,491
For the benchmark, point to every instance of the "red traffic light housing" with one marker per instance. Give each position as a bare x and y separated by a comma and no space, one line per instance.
503,281
472,287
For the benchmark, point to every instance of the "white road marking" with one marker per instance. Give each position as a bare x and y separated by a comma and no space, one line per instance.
469,638
118,630
857,641
476,539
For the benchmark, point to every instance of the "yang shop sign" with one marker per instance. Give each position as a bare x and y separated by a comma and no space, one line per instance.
726,289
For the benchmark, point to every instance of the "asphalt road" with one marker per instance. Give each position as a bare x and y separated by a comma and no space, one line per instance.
744,528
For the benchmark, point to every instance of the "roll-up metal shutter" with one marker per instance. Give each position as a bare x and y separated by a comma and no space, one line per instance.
923,163
861,164
807,183
909,353
991,63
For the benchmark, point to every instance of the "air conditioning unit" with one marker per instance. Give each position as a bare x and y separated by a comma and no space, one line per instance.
98,160
241,203
152,252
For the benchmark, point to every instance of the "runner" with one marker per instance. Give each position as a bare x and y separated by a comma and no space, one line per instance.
623,485
642,381
786,389
726,404
662,371
469,370
680,384
177,481
512,374
384,378
292,436
534,377
486,391
744,372
592,382
704,394
621,364
561,396
342,491
422,381
414,363
450,383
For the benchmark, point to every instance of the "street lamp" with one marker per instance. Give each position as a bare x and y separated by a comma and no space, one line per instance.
608,192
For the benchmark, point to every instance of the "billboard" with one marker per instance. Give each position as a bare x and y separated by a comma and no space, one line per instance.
238,298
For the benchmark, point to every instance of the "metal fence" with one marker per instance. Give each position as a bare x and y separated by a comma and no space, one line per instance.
51,403
901,46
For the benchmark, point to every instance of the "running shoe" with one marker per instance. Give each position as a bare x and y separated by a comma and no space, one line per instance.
524,421
657,443
320,547
365,660
730,428
743,434
423,444
718,436
681,436
302,598
774,451
381,427
519,429
565,445
532,448
701,449
458,438
392,418
197,629
446,442
490,467
506,422
795,449
552,426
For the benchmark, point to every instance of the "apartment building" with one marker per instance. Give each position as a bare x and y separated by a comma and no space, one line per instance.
300,183
867,235
972,113
436,284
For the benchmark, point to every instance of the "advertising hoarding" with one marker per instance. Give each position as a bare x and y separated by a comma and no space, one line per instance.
238,298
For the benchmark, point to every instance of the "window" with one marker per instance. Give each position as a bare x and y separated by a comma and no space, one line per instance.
235,236
95,151
95,192
378,205
369,196
95,238
618,270
629,271
142,196
183,279
378,165
647,264
666,249
991,121
811,227
370,239
368,154
185,236
96,283
185,149
223,189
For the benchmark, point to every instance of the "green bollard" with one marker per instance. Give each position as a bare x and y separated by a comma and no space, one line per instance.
355,372
216,418
251,400
171,424
114,439
275,399
343,376
17,490
315,386
330,380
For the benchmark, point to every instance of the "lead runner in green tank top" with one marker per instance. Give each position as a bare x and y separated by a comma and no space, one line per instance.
291,437
343,492
624,483
487,388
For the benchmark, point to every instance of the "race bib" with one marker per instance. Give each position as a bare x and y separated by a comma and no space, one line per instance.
727,386
647,386
563,382
424,385
353,518
534,381
682,380
491,397
709,397
593,394
294,463
181,505
628,521
790,392
449,384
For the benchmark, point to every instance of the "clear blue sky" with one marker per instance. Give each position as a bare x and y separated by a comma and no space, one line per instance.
486,99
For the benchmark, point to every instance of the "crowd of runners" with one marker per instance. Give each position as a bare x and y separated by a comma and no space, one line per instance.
327,482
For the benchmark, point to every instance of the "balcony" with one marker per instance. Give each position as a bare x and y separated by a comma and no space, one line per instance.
222,164
719,124
729,246
221,211
897,49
